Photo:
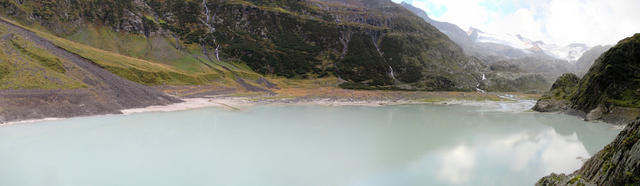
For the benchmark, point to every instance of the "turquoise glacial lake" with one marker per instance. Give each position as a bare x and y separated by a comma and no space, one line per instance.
300,146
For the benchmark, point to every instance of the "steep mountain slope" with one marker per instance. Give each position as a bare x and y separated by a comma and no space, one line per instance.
613,80
586,60
39,80
610,91
294,39
533,59
454,32
526,79
617,164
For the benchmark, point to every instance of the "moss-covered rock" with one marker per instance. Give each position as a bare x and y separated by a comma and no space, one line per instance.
557,99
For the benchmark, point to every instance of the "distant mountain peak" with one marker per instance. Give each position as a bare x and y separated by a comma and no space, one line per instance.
517,45
569,52
474,30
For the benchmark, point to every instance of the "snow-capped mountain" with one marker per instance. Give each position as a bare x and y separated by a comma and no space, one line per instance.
569,53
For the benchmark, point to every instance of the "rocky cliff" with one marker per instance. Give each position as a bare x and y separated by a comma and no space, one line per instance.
617,164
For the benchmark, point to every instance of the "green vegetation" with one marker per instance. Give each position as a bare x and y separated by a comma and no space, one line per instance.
147,72
631,139
25,66
530,82
363,64
605,155
292,39
564,87
360,86
614,79
40,55
575,179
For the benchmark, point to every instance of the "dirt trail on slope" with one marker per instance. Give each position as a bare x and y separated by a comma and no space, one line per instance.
107,93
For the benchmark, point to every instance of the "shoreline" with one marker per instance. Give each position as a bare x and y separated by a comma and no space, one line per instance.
238,103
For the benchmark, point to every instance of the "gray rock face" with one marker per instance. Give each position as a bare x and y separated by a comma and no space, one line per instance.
617,164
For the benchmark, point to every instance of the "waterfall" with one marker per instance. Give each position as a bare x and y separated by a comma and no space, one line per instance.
209,18
217,53
206,10
212,29
393,76
478,85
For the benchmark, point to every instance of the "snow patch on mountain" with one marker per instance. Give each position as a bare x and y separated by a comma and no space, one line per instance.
569,53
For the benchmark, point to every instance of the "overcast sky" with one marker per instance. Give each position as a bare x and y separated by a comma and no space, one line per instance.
592,22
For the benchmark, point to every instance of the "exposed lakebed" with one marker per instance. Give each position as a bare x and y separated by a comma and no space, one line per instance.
421,144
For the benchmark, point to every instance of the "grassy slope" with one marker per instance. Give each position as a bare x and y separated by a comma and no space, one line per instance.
25,66
145,71
156,49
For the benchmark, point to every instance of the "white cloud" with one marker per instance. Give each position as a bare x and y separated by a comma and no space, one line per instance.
592,22
520,22
555,21
457,165
474,14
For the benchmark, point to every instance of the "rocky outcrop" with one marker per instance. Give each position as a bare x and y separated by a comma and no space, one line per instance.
617,164
557,99
610,91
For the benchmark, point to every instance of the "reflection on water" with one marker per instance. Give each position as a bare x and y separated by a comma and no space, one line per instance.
301,145
457,164
500,160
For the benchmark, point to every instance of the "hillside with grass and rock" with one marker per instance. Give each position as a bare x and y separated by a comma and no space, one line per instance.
96,53
610,91
40,80
376,44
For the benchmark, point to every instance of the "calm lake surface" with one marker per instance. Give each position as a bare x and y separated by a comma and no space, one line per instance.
300,145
